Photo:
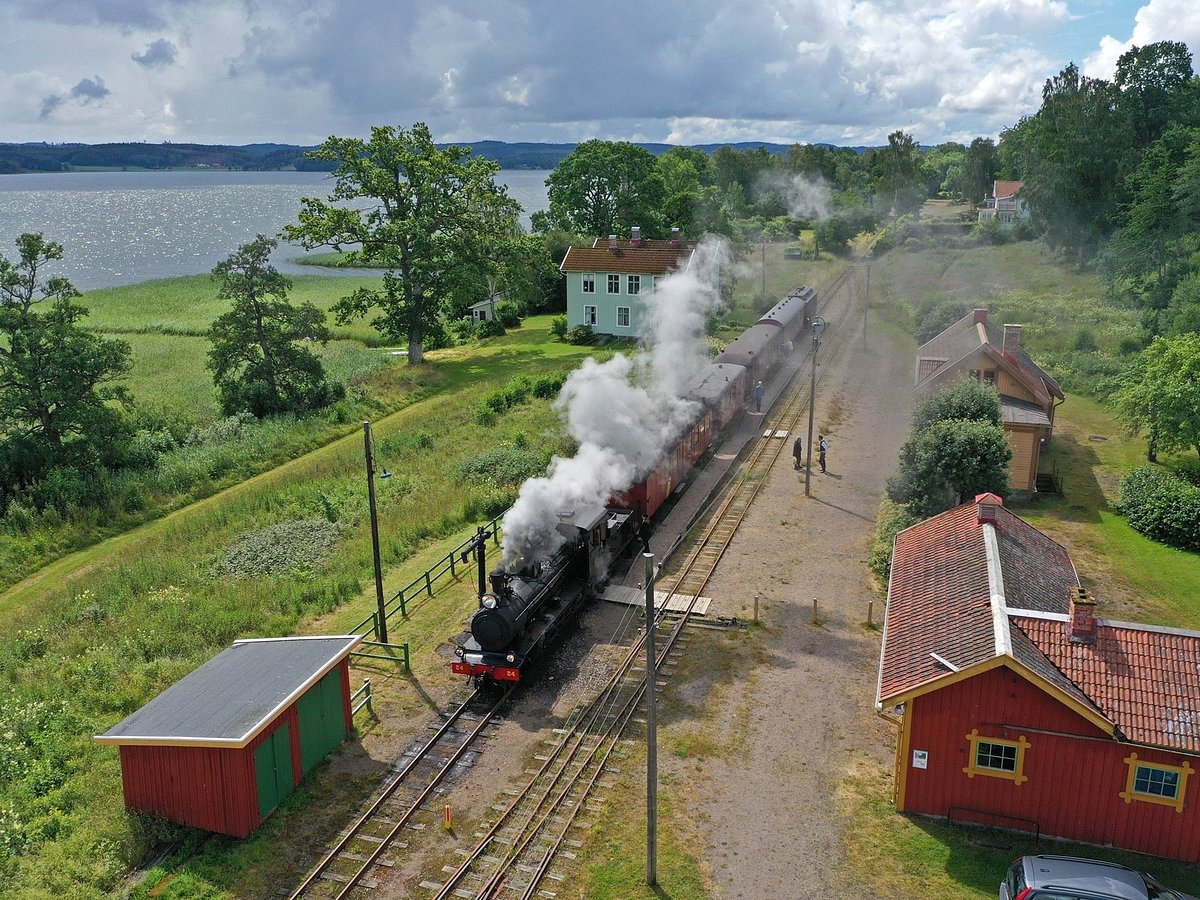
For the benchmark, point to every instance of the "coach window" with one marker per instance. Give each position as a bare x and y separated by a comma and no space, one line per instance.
634,284
997,757
589,315
622,316
614,284
589,284
1155,782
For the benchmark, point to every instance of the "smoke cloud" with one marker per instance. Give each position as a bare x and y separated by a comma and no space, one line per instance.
805,196
624,413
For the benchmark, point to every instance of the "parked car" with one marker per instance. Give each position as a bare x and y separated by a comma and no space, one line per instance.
1074,878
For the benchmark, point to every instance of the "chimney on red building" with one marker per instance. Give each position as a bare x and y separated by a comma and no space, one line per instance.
1083,616
1012,339
635,236
980,317
674,237
987,508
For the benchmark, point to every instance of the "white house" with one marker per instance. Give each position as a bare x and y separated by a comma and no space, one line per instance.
1004,205
610,282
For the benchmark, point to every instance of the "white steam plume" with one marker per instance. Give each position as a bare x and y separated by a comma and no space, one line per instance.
805,196
624,413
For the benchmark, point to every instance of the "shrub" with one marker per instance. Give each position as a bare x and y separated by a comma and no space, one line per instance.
1162,506
509,313
558,327
501,466
581,335
286,548
891,520
490,328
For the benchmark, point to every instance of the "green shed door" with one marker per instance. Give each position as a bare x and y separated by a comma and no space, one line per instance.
322,722
273,769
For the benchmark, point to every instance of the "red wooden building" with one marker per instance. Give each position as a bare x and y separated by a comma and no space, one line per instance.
220,748
1022,709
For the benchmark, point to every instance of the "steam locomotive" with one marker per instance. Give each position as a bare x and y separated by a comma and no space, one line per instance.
524,607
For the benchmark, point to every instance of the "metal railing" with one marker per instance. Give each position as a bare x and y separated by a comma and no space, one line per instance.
448,565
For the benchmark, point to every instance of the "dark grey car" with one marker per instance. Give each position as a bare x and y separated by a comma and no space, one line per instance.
1074,878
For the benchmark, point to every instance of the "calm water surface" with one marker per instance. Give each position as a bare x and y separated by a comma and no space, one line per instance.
125,227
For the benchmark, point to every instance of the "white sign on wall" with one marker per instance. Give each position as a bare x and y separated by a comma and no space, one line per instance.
920,759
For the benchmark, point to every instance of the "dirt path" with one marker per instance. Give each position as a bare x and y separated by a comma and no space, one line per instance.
767,809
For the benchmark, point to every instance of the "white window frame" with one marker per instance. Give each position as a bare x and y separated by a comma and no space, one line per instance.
633,284
589,316
614,284
589,283
622,312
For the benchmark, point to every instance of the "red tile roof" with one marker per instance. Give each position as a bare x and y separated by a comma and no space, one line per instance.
651,257
965,594
1002,190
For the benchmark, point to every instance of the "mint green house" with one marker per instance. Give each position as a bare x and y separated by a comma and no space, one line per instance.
610,282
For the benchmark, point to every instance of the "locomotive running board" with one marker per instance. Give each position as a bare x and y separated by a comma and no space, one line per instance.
627,596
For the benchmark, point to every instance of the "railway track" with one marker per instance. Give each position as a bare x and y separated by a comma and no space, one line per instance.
514,855
362,846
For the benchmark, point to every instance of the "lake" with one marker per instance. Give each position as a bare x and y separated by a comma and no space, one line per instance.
126,227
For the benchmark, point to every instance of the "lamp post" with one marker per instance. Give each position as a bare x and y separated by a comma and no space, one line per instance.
369,451
651,730
818,325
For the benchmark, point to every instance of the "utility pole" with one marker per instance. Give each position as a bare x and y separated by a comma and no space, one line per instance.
651,731
818,325
369,451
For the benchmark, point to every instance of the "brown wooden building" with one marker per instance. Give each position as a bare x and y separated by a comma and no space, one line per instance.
1020,708
220,748
975,348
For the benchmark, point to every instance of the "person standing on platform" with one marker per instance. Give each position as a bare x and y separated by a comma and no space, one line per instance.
822,446
797,453
759,391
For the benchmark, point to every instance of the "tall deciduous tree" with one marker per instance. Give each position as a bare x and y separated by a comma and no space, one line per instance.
948,463
603,188
55,377
1160,394
1153,81
433,217
257,362
900,173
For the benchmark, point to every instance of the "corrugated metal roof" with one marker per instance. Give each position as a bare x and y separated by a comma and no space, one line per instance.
234,695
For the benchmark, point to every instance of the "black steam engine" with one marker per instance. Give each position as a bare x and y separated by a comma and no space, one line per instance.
523,607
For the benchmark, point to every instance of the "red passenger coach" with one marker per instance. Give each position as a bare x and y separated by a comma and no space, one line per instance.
222,747
647,496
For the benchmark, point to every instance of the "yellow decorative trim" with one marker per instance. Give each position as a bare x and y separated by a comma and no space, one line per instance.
1129,794
902,756
1017,776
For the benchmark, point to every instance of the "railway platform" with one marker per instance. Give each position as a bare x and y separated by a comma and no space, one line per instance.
695,493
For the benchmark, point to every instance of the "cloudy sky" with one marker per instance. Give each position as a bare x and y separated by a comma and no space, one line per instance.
297,71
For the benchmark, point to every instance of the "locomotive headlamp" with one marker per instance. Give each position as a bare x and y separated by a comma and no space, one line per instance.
458,651
512,657
488,601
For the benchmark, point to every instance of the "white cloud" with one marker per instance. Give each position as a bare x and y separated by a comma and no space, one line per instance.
687,71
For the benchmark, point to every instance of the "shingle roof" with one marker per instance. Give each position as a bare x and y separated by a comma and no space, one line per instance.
233,696
651,258
966,336
1004,189
966,593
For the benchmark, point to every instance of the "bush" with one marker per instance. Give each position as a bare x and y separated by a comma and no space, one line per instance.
581,335
890,521
558,327
501,466
490,328
509,313
1162,506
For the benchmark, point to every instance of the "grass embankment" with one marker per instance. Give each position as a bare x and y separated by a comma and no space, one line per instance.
93,638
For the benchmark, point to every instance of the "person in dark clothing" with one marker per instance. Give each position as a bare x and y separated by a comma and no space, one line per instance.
822,446
759,391
797,452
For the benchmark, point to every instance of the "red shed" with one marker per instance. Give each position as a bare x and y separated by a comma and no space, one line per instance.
1024,710
220,748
